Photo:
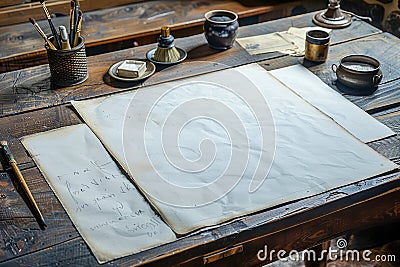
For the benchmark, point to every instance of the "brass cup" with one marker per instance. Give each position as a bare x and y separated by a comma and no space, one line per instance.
317,45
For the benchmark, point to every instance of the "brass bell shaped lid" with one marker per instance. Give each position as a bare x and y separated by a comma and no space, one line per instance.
333,17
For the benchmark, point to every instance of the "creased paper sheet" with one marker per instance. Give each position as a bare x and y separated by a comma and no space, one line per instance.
110,214
266,43
209,140
308,86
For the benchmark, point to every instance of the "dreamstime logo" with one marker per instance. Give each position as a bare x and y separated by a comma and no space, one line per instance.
194,142
341,243
330,254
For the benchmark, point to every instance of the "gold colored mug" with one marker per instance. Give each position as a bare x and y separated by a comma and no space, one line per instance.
317,45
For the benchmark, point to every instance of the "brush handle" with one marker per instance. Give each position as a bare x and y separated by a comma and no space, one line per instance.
40,31
55,34
75,23
52,28
78,29
23,186
27,192
71,19
72,26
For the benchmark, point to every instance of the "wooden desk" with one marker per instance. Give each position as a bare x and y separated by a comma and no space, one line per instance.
121,27
29,105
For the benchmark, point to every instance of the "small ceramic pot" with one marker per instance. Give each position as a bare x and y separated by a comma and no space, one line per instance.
358,72
220,28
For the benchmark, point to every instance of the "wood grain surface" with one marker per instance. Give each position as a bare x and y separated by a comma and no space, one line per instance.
122,27
29,89
10,2
17,11
29,105
306,222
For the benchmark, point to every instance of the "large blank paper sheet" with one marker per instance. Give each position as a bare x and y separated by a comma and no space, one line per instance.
307,85
208,149
110,214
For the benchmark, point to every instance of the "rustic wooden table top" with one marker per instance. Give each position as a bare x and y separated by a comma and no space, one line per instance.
28,104
115,28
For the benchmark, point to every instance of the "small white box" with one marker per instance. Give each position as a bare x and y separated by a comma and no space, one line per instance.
131,68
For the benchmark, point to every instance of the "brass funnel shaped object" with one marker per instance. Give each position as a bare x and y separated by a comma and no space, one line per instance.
333,17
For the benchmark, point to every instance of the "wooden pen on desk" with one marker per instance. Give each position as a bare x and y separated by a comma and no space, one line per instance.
21,181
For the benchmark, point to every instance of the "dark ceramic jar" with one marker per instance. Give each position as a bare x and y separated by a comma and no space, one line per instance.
220,28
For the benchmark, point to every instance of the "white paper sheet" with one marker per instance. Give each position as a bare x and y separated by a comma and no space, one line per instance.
110,214
310,152
110,123
308,86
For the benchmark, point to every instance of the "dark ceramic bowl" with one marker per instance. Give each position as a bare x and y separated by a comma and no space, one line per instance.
220,28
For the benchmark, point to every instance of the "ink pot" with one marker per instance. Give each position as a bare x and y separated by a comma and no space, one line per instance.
359,74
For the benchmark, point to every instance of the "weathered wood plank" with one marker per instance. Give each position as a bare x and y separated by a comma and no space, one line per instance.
19,230
392,120
23,47
10,2
368,203
138,23
14,127
386,95
21,10
13,208
389,147
30,89
356,30
365,46
369,46
267,228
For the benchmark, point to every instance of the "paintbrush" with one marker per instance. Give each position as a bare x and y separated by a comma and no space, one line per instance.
53,29
78,29
71,20
75,21
21,182
40,31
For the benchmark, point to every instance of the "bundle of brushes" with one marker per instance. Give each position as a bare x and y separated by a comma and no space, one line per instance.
166,50
62,40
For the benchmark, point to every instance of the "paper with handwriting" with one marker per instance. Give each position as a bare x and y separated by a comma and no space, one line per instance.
111,215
